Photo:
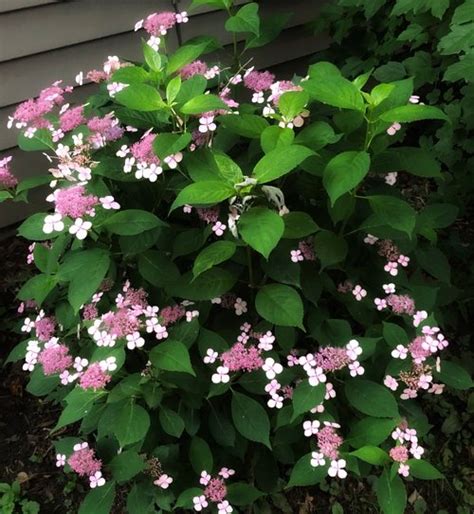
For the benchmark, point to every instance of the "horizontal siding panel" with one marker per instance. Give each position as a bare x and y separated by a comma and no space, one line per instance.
184,5
24,78
13,5
59,25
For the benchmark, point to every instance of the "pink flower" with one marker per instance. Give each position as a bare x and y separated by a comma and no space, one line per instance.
399,453
436,389
391,383
404,470
370,239
94,377
164,481
218,228
55,359
403,260
272,387
266,341
206,124
392,268
6,178
224,507
199,503
418,317
424,381
226,472
215,490
108,202
380,303
159,23
240,306
83,461
296,256
205,478
393,129
258,80
173,160
193,68
359,293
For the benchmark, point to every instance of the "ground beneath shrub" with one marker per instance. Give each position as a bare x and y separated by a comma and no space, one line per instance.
27,453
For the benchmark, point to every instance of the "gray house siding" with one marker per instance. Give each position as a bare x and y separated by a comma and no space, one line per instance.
45,40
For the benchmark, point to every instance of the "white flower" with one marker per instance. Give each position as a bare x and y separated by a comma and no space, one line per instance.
199,503
266,341
417,451
356,369
272,368
164,481
391,178
210,356
316,376
154,42
275,402
389,288
317,459
240,306
80,363
359,293
311,427
138,25
115,87
30,132
27,326
190,315
79,79
337,468
129,163
182,17
123,151
96,480
370,239
400,352
353,349
60,460
221,375
404,469
80,228
53,223
135,341
108,364
206,124
173,160
108,202
204,478
224,507
161,332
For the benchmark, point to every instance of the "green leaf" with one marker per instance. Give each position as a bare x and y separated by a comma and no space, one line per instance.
250,419
132,222
185,499
42,140
171,422
245,125
261,228
157,268
394,335
303,474
140,97
172,89
279,162
246,19
434,262
209,284
391,493
212,255
206,192
200,455
461,70
344,172
41,384
168,144
394,212
203,103
459,39
270,28
5,195
184,55
275,137
130,74
371,431
409,113
99,500
371,398
280,305
424,470
330,248
228,169
317,135
240,494
152,57
85,271
78,403
372,455
306,397
126,465
438,215
336,91
37,288
454,375
291,103
172,356
298,225
128,421
32,228
416,161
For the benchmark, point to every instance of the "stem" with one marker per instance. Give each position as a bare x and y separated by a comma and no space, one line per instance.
251,275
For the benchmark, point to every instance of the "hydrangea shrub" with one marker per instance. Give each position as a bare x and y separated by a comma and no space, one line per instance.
230,297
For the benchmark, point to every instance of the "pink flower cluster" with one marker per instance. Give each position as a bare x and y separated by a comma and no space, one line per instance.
215,491
104,130
419,376
258,81
84,462
328,441
75,202
7,180
71,118
407,444
55,358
